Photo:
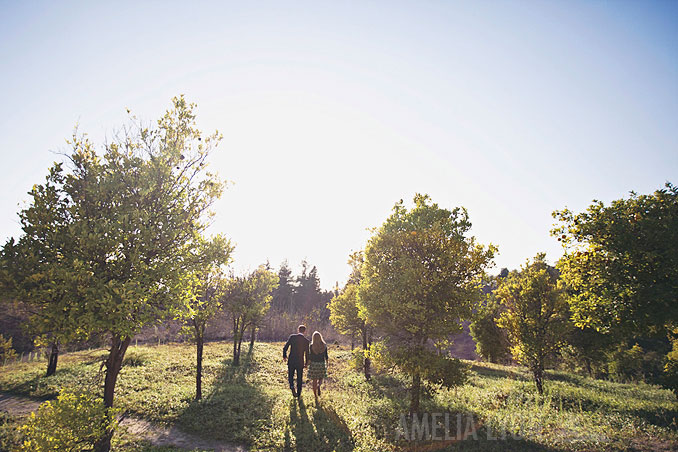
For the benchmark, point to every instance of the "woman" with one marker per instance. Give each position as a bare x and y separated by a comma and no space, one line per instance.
318,362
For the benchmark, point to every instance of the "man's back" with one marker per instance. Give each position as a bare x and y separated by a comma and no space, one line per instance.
298,345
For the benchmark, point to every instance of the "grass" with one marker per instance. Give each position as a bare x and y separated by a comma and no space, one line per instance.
251,404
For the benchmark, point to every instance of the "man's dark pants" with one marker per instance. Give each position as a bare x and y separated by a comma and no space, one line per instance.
291,369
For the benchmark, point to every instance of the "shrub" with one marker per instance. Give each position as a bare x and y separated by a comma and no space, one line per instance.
491,341
6,350
10,437
72,423
636,364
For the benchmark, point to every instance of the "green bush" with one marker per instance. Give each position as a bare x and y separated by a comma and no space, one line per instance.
492,343
6,351
670,377
636,364
72,423
10,437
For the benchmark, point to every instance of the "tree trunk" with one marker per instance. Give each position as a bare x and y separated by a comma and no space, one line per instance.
113,366
416,387
253,334
236,355
366,357
53,357
199,340
589,370
240,338
538,372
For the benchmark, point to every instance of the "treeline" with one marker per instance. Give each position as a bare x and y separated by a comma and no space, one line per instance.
297,299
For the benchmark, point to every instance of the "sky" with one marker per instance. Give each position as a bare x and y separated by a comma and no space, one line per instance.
331,112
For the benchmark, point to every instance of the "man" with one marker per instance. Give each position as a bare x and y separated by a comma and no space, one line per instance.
298,358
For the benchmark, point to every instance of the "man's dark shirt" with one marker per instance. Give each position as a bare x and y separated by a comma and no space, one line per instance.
298,345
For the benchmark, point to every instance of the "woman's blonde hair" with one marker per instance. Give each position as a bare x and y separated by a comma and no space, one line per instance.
318,345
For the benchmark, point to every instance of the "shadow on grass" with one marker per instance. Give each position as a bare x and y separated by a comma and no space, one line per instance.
233,410
457,430
497,373
327,431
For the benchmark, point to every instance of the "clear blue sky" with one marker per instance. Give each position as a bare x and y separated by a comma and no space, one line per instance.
332,111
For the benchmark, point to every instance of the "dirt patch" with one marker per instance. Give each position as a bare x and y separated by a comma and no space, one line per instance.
139,428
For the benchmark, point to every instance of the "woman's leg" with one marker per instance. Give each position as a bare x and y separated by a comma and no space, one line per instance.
320,382
315,387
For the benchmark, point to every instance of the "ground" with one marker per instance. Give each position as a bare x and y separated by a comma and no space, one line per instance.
250,407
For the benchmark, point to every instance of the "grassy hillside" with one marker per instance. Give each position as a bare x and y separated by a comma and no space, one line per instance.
251,404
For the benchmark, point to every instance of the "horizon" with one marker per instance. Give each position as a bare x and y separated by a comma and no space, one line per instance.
331,113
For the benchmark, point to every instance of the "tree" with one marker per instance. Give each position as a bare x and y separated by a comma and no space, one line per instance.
282,301
345,312
121,229
589,349
247,299
621,263
621,267
536,316
33,271
420,278
491,341
346,319
204,303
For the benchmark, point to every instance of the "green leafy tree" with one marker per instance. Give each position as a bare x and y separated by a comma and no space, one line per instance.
621,262
491,341
536,315
204,302
116,244
588,348
621,266
283,295
420,278
247,299
33,268
345,314
346,319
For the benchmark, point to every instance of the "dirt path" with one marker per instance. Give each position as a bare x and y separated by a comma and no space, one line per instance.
153,433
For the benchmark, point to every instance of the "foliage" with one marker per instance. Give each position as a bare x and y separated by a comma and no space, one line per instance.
536,316
6,351
588,349
670,377
491,341
283,295
72,423
108,246
344,313
114,234
247,299
621,262
635,364
421,276
10,435
207,276
346,316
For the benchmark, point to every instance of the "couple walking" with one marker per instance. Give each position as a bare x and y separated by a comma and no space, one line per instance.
302,354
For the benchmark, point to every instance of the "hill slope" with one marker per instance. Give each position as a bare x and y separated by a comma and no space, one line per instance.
497,409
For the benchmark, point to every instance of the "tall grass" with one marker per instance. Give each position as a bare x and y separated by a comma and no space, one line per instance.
251,405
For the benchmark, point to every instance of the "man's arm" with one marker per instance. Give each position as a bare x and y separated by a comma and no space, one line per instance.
308,345
287,345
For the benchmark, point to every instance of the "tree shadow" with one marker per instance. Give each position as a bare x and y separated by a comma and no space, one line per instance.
327,431
497,373
233,409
